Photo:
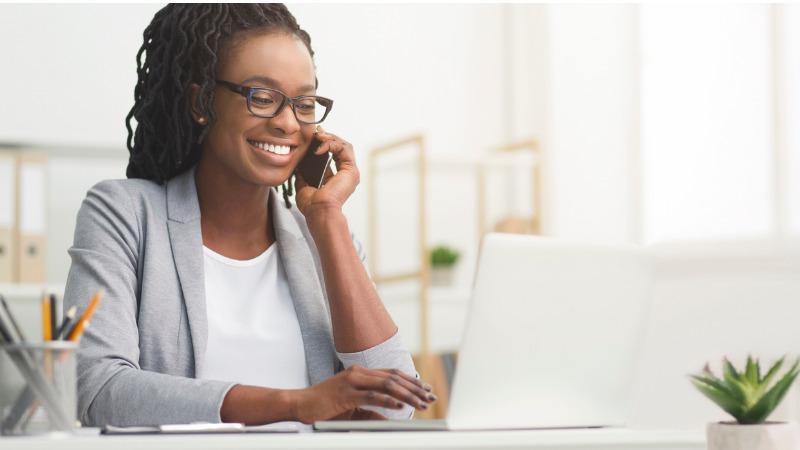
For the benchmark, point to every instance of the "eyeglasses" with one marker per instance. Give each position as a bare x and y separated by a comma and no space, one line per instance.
265,102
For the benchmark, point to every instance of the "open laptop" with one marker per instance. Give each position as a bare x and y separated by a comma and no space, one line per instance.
552,336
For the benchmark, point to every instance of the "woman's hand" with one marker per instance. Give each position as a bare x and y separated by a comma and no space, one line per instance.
336,189
343,395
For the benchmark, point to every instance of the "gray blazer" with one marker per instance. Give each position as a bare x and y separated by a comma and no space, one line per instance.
141,242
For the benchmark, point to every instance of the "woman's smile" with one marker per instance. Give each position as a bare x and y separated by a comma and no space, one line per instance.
276,154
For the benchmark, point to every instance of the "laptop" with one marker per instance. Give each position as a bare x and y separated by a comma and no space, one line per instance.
551,341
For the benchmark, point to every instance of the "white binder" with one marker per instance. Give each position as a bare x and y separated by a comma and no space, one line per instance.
8,206
31,217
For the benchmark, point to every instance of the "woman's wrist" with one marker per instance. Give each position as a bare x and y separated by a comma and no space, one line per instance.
322,217
255,405
321,211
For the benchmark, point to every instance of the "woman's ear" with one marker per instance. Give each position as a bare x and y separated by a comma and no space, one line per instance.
194,104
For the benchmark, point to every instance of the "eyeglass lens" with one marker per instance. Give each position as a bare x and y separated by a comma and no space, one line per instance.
265,103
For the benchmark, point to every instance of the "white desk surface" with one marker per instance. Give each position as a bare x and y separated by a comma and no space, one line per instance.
597,439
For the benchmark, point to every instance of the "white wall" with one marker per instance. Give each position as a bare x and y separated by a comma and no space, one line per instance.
69,72
790,45
591,139
708,118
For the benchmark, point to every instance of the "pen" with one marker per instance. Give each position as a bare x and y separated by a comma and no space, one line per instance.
76,331
53,317
69,320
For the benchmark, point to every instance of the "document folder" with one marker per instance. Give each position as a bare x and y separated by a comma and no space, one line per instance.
8,207
31,250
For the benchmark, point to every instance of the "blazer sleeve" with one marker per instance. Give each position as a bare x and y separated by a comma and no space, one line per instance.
389,354
112,388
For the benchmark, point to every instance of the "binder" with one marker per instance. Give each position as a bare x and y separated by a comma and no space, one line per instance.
31,217
8,206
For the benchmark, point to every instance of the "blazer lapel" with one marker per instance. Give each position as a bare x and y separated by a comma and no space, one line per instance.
309,301
183,210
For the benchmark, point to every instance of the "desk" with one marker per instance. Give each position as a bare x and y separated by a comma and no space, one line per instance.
600,439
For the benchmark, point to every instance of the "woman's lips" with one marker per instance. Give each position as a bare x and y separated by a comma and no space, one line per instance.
273,158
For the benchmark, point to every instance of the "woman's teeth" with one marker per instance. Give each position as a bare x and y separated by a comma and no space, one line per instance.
277,149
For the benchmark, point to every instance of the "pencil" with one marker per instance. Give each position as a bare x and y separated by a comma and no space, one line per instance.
69,320
47,331
79,327
11,319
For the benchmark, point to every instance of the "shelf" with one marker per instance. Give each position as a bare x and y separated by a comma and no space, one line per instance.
32,291
459,162
67,151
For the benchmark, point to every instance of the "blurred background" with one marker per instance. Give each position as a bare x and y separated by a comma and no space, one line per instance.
671,126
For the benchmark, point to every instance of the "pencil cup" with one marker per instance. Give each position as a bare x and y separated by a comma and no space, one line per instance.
42,398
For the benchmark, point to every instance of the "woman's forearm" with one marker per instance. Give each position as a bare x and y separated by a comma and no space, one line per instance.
254,405
359,318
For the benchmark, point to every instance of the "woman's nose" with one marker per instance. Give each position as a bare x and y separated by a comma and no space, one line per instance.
285,121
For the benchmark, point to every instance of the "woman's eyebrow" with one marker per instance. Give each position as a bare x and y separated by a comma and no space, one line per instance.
274,83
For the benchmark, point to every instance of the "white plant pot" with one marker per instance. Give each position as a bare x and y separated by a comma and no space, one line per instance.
766,436
442,276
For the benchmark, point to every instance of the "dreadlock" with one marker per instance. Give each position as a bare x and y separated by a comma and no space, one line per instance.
181,46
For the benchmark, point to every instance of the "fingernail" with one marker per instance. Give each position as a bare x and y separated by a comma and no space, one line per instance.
432,397
427,387
399,405
423,405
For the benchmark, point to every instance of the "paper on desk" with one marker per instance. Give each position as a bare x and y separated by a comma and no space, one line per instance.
201,428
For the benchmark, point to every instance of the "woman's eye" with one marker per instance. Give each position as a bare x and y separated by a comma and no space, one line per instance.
305,106
262,100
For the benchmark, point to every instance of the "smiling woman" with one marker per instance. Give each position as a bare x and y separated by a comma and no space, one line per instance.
223,303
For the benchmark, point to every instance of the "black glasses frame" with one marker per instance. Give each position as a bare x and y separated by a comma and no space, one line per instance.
248,91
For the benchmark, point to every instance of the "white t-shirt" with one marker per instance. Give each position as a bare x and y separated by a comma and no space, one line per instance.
253,332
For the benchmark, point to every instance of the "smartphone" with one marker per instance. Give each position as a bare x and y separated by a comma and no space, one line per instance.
313,167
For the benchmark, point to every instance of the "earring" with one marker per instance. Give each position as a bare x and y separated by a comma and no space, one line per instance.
201,121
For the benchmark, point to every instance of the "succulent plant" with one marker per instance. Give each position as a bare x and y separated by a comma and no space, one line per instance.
443,256
747,396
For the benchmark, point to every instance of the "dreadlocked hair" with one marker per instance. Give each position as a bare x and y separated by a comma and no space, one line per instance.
181,46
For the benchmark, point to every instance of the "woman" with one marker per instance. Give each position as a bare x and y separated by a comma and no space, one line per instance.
223,303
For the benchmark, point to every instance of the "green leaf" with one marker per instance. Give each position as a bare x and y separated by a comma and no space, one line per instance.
772,371
715,383
751,372
758,371
738,390
718,395
734,381
728,371
767,404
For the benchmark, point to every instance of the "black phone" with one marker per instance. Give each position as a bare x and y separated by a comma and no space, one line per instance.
313,167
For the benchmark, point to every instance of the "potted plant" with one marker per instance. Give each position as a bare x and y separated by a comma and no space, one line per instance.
750,398
443,261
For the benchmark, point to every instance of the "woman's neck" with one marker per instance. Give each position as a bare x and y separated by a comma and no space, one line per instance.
234,214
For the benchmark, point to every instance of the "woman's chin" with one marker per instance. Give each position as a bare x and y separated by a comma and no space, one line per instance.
270,178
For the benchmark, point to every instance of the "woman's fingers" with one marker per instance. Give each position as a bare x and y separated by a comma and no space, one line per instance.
390,384
299,181
407,377
340,148
375,398
341,151
408,382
